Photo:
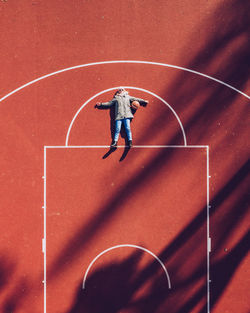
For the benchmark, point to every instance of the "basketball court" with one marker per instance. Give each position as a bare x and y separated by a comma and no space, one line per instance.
161,227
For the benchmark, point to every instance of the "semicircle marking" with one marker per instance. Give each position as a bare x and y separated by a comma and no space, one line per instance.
125,246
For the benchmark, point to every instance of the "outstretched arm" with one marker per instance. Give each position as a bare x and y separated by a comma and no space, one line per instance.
105,104
141,101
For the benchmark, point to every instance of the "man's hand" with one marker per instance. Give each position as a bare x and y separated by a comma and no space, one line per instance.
98,104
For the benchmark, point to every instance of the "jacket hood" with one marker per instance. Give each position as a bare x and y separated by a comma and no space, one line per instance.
123,94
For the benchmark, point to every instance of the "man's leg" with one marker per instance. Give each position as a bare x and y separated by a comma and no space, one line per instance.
118,125
126,122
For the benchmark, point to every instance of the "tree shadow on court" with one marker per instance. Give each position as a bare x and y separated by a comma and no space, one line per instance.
6,271
17,289
236,213
113,287
159,298
198,101
223,270
229,46
16,297
109,288
211,101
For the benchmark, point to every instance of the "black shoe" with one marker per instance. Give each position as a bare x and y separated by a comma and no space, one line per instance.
113,144
130,144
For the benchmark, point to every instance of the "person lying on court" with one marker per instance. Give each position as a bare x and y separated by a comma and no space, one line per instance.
124,106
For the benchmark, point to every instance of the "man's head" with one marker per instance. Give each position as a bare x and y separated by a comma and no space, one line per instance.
121,90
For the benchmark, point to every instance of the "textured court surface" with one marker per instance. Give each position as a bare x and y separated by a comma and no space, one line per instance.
41,37
158,199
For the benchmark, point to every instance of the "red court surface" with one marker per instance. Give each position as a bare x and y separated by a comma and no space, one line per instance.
199,73
154,205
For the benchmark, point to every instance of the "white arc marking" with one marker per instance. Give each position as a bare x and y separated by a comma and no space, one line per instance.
123,246
126,87
124,61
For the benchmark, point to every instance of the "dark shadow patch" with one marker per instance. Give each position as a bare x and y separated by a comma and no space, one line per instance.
111,150
125,153
108,289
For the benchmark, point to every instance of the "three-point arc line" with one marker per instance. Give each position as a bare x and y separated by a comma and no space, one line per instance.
125,246
118,62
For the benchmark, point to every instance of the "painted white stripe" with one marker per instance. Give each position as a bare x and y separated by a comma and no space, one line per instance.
141,146
125,246
117,62
44,232
43,245
208,236
209,245
126,87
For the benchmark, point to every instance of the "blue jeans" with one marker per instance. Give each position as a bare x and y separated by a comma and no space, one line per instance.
118,125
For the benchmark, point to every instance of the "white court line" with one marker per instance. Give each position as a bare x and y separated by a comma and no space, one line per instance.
118,62
172,146
126,87
122,246
45,232
135,146
208,235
